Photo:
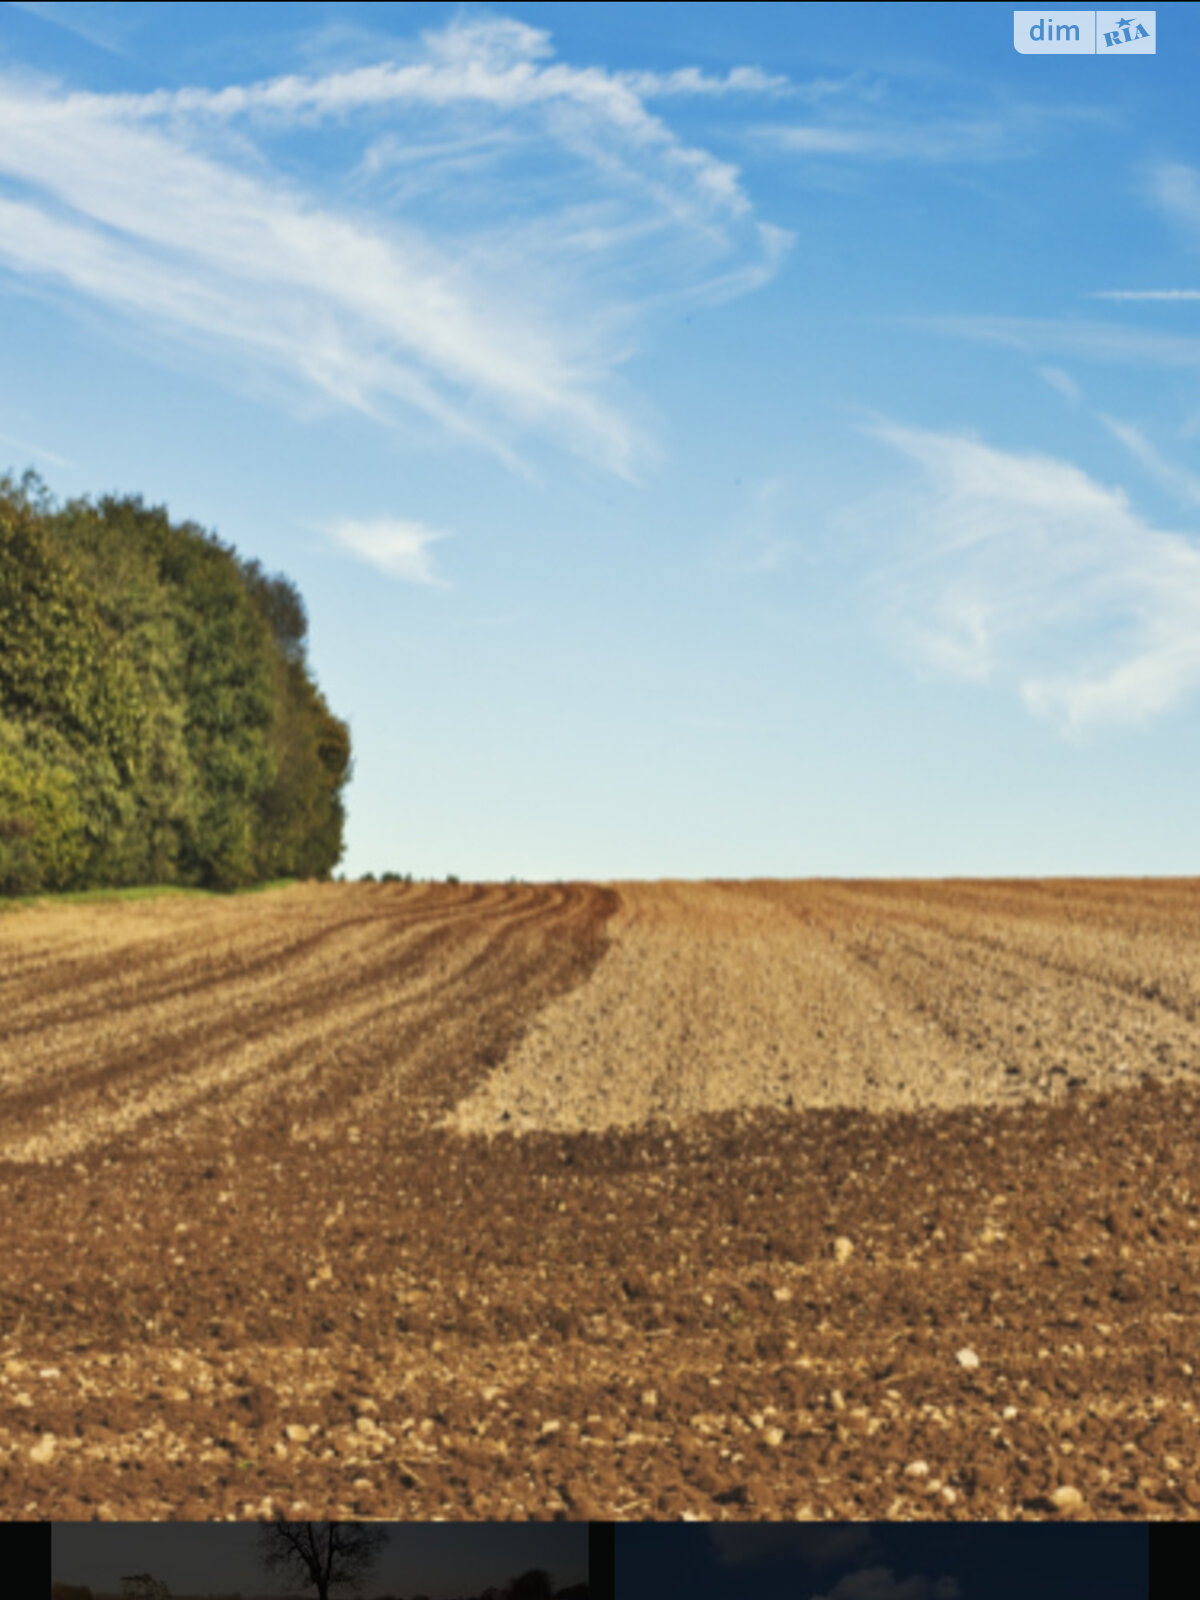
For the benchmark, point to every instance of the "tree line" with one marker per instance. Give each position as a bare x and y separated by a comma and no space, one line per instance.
159,723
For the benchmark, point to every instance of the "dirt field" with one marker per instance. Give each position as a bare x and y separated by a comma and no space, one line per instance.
731,1200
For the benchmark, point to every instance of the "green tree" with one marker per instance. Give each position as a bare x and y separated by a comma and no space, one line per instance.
158,719
69,711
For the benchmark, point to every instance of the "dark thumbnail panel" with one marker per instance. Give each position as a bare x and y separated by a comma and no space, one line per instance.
282,1560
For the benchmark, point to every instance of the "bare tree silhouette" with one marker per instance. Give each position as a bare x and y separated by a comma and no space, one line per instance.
327,1555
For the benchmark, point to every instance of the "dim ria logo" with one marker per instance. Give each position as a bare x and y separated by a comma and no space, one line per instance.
1084,33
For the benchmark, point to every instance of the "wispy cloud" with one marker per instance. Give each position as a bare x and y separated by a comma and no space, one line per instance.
88,22
1175,189
35,450
399,548
821,140
1022,572
499,309
1177,480
505,66
1145,294
757,543
691,81
1089,341
1060,380
883,132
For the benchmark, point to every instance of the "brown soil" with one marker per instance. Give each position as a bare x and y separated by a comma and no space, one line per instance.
853,1200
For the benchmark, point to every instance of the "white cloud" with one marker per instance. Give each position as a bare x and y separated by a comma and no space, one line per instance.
1022,572
1060,380
690,80
816,1546
499,305
95,23
1175,190
1146,294
877,1583
1010,130
1177,480
1089,341
507,66
394,546
822,140
35,450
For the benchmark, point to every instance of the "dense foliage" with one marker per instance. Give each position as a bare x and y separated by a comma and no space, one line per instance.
158,722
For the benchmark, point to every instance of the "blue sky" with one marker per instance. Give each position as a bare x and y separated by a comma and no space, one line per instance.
723,440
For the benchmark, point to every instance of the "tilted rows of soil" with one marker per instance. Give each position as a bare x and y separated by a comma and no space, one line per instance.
306,1012
716,997
253,1264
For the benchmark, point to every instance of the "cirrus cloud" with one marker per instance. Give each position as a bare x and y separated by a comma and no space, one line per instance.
1023,572
499,304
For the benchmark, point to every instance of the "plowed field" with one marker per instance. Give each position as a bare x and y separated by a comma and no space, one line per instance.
737,1200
